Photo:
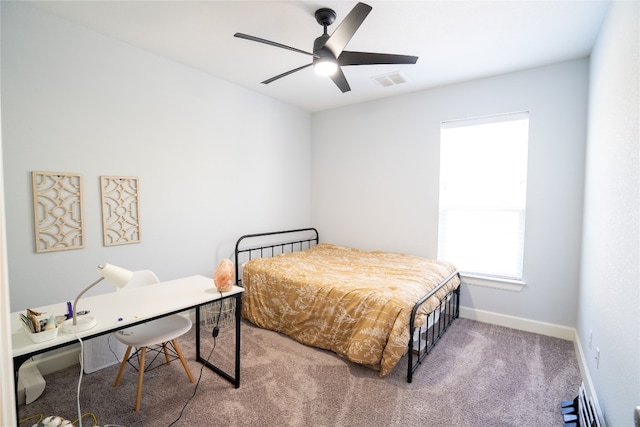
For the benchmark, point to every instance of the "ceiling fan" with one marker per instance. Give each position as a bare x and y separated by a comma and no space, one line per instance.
328,50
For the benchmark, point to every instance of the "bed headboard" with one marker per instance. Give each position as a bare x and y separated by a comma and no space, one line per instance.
265,245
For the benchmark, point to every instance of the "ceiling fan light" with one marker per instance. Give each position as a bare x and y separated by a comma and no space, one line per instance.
325,66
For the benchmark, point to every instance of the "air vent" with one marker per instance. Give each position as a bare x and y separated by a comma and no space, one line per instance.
391,79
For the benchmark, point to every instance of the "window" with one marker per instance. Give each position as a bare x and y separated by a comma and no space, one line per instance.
483,182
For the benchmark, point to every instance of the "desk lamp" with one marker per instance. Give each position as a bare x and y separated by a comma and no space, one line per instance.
117,276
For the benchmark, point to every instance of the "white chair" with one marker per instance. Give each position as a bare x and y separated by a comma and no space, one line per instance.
157,335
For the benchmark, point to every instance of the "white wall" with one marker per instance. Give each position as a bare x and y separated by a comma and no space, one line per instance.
375,179
8,414
609,302
215,161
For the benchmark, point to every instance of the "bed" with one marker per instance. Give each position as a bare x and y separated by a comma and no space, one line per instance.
368,306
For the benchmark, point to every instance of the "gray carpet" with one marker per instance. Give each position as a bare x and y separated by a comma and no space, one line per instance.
477,375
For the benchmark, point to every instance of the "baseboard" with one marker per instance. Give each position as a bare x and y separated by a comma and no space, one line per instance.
55,361
520,323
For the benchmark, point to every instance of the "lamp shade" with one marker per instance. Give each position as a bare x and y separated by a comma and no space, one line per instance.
116,275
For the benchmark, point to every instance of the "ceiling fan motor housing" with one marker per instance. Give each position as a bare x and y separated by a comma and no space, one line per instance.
319,49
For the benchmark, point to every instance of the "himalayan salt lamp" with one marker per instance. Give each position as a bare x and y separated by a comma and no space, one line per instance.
224,276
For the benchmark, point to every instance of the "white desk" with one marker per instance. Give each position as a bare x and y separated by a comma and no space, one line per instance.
128,307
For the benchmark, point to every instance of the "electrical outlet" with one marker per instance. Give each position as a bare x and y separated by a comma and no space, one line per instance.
597,358
590,338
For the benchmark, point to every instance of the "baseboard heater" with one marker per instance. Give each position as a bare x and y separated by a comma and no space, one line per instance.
586,410
581,412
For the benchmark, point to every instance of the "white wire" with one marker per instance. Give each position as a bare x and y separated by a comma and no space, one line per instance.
80,379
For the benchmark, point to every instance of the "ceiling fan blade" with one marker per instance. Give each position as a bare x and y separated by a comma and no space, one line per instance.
259,40
340,80
369,58
347,28
266,82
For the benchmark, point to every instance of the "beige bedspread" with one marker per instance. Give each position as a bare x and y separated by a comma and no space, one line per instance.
355,303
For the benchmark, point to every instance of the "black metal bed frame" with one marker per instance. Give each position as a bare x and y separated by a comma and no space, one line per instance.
421,339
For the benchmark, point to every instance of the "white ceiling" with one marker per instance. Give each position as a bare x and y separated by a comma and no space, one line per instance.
455,40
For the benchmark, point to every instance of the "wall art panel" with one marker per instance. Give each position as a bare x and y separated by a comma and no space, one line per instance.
57,211
120,209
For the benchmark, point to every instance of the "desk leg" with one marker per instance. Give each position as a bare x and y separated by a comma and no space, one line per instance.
233,380
17,363
198,333
238,318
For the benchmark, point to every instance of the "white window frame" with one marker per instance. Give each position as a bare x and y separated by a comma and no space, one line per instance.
515,280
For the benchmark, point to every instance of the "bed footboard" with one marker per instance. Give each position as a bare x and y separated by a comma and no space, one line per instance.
424,338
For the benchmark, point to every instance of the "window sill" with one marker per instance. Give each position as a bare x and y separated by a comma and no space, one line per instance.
493,282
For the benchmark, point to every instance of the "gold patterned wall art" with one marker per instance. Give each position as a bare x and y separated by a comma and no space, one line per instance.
57,211
120,209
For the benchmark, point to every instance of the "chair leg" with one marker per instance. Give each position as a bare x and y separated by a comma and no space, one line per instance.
143,351
124,362
184,362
